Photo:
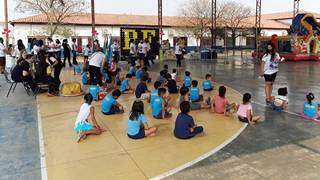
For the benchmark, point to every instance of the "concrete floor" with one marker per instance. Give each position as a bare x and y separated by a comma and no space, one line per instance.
285,146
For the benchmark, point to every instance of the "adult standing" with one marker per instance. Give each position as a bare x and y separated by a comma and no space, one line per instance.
2,56
96,61
146,49
141,54
74,48
51,47
269,70
58,49
133,52
116,50
178,52
154,49
66,52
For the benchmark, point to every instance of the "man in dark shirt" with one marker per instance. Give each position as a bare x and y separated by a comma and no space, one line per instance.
142,89
66,52
185,127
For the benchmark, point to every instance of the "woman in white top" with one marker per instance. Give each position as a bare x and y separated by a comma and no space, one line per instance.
96,61
141,54
2,56
133,52
269,70
82,126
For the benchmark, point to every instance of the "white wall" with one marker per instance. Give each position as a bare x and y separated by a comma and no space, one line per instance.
267,32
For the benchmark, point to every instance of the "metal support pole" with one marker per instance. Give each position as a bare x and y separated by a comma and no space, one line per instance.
213,23
258,25
93,19
160,20
6,21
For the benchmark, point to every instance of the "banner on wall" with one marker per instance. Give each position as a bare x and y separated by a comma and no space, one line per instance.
136,34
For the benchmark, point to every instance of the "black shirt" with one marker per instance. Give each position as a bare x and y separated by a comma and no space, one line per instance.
182,125
66,47
141,88
172,86
17,72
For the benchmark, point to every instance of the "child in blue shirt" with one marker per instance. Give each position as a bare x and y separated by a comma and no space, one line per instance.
125,85
154,93
310,109
138,127
132,71
110,105
187,79
138,73
142,91
94,91
207,83
195,92
160,107
84,77
185,128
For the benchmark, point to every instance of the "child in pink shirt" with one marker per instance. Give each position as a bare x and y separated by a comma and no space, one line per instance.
245,113
220,103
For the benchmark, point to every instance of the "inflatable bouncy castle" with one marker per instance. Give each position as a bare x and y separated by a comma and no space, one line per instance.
302,43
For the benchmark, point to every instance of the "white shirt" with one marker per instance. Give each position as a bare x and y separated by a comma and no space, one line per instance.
74,46
96,59
177,49
140,48
115,47
2,50
51,46
83,113
174,75
86,51
144,48
132,48
279,100
36,49
271,66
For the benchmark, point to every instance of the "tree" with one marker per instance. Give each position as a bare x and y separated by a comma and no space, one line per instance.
235,19
56,11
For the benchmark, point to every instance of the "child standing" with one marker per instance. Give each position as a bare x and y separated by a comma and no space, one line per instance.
125,85
154,93
160,107
142,91
207,83
195,92
220,103
82,126
310,109
185,128
138,127
187,79
110,105
86,55
281,100
245,112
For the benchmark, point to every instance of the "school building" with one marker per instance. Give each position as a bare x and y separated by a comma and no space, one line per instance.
173,27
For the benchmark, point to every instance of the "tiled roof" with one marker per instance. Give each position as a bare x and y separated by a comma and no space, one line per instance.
268,21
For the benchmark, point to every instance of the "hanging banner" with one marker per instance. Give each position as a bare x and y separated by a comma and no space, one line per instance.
136,34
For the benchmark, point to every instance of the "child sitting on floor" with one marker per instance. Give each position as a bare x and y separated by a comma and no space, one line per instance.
142,91
207,83
174,74
162,77
187,79
138,127
281,100
82,126
310,109
94,91
132,71
245,112
84,77
139,73
185,128
118,77
160,107
145,73
195,95
220,103
110,105
154,93
171,84
125,85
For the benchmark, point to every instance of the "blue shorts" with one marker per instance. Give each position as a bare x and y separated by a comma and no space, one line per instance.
140,135
83,126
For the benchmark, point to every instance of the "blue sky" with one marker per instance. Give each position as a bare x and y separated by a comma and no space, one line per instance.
171,7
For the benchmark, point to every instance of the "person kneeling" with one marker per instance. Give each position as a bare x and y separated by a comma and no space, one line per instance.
137,124
185,128
110,105
160,107
82,126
